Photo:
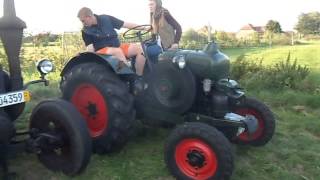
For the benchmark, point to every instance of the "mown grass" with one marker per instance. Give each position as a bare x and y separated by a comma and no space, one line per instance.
292,154
306,54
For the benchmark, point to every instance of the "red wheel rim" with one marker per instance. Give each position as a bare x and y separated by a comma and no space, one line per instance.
245,135
196,159
91,104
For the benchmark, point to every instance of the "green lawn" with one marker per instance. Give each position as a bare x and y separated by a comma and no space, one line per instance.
293,153
307,54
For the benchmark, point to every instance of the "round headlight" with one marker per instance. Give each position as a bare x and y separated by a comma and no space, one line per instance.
45,66
180,60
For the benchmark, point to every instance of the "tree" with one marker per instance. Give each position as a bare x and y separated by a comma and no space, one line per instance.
191,39
273,26
206,31
309,23
192,35
222,36
255,38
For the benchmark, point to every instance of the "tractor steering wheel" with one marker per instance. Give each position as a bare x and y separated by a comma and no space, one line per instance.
130,33
136,32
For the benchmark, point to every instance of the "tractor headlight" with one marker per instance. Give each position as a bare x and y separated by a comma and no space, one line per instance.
180,61
45,66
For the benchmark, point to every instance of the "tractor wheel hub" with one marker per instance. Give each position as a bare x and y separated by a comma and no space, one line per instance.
196,159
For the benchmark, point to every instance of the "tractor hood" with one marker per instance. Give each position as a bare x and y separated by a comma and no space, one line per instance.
207,63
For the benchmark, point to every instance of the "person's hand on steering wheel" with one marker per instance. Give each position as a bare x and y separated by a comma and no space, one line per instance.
147,28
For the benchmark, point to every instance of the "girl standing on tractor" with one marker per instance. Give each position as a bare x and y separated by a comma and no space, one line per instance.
164,26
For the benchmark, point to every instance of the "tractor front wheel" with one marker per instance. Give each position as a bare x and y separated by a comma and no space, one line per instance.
266,123
198,151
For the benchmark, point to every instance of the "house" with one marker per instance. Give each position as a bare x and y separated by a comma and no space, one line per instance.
248,32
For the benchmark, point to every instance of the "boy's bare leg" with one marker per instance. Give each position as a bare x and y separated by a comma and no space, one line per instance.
117,52
136,50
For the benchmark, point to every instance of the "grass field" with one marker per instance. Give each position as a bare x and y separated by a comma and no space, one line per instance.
306,54
292,154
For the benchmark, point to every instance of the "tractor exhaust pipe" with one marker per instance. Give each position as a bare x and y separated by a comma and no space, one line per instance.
11,31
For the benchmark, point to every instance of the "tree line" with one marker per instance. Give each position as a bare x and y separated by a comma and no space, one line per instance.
308,25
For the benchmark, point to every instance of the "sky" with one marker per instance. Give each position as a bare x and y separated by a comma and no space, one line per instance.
58,16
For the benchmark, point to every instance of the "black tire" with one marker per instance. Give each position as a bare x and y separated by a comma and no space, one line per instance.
59,117
189,147
7,129
104,101
266,123
14,111
170,88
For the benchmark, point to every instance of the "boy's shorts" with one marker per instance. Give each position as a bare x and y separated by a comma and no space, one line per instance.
124,47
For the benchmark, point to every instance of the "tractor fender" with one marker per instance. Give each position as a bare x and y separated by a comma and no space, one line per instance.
108,61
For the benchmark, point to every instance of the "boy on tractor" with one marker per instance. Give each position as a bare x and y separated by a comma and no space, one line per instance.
99,36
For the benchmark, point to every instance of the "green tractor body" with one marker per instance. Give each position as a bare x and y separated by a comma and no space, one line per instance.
186,87
208,63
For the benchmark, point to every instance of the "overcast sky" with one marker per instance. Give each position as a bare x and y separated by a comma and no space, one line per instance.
229,15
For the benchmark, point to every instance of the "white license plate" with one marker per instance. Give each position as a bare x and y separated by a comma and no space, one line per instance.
14,98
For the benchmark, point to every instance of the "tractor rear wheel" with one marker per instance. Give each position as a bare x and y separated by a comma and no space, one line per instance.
105,103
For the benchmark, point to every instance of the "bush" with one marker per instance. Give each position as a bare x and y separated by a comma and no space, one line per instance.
289,74
282,75
242,67
193,45
3,60
282,39
311,37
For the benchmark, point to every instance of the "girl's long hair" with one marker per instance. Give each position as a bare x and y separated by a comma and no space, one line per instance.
155,17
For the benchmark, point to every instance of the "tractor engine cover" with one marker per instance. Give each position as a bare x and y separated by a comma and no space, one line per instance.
208,63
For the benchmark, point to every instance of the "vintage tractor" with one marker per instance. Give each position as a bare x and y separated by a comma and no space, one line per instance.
187,88
57,132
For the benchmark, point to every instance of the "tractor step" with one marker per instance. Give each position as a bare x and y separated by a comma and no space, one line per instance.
249,123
